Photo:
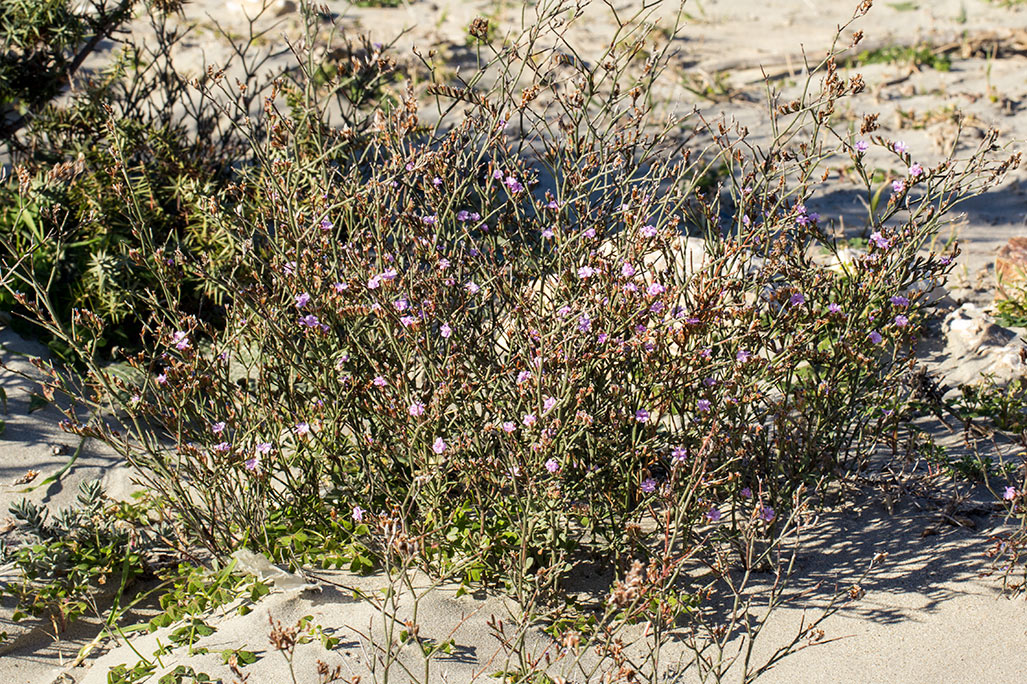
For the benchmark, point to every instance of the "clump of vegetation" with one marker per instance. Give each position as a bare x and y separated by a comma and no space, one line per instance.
493,330
1012,310
44,44
418,319
913,55
76,554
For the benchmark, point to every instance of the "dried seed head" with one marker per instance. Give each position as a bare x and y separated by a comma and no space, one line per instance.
479,28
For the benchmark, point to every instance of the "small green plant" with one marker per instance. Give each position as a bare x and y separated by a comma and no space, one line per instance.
123,674
913,55
1005,407
75,555
192,591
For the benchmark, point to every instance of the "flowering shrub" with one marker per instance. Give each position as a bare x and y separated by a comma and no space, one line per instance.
527,332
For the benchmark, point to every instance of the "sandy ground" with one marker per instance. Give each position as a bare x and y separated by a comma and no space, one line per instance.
926,616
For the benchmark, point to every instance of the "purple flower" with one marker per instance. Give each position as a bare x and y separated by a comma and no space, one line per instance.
401,304
1010,493
586,272
655,289
222,447
162,379
513,185
302,299
862,146
358,514
901,321
552,466
436,181
627,270
584,323
767,514
263,448
648,231
641,415
379,381
898,186
429,220
302,428
703,405
746,493
374,283
916,170
463,215
310,321
289,268
416,409
834,308
472,287
875,337
879,240
252,463
217,428
742,356
680,454
552,205
445,330
326,224
714,514
797,298
548,233
899,300
407,321
801,219
528,419
509,426
523,377
649,485
439,446
547,404
389,274
900,147
181,340
341,287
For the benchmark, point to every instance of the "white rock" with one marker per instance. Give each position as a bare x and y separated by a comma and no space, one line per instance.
969,329
977,348
259,565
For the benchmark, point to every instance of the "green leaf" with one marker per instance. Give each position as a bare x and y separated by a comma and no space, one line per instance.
242,656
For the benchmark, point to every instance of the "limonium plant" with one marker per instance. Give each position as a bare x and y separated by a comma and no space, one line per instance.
523,315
